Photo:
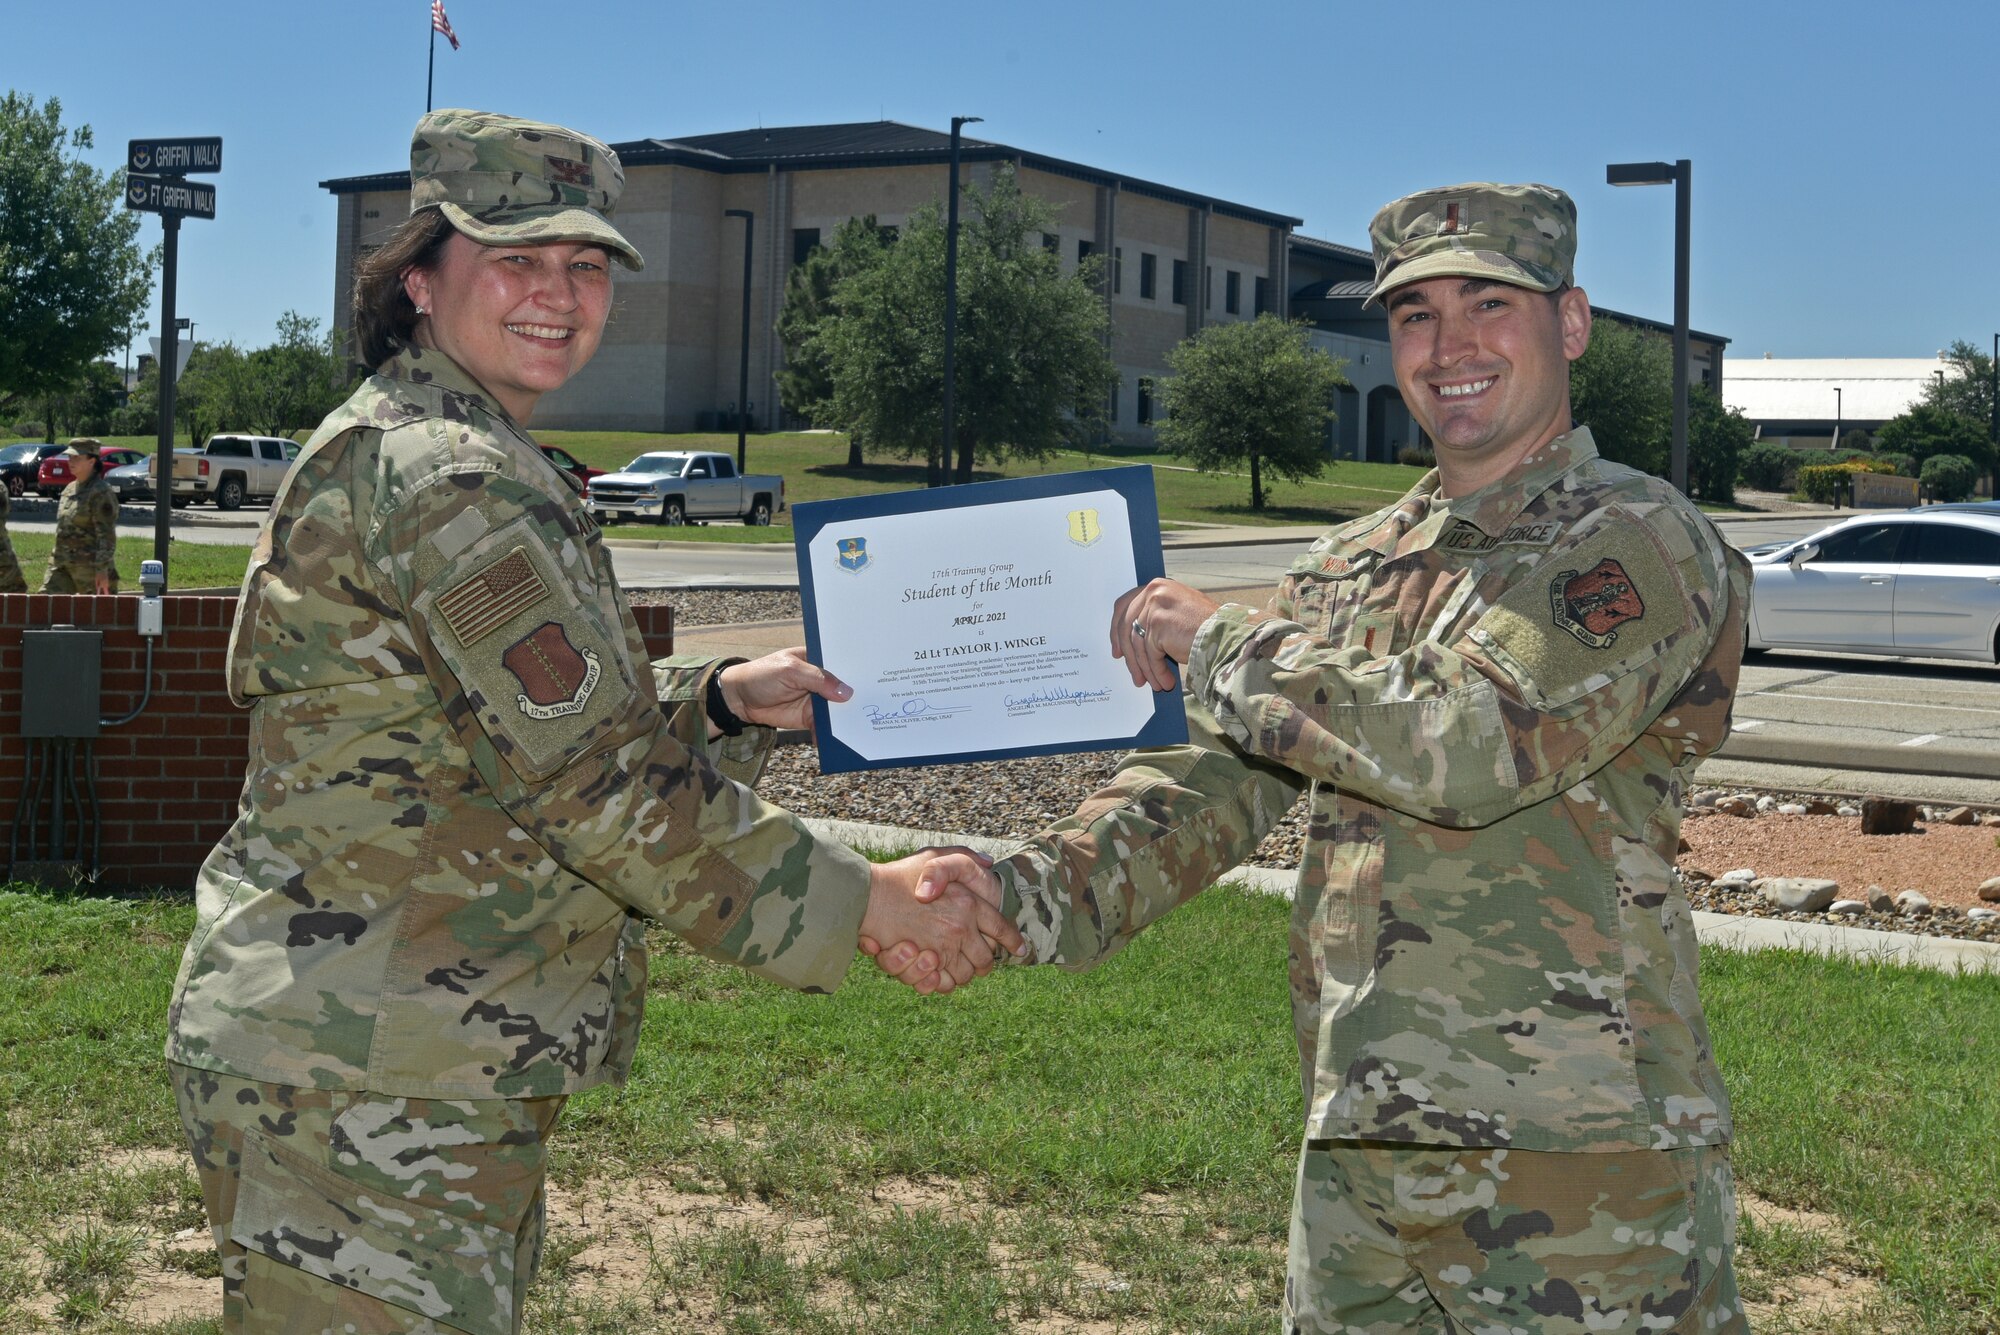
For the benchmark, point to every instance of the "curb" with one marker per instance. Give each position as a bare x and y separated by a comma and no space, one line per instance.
1723,930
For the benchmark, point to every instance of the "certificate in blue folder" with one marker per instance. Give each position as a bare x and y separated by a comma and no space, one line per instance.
974,622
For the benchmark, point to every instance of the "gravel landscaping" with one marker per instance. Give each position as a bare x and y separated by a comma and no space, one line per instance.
1950,860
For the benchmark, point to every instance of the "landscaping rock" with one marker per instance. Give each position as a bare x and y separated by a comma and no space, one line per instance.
1982,915
1736,806
1847,809
1878,899
1740,877
1959,816
1990,818
1989,890
1767,803
1850,908
1791,808
1798,894
1887,815
1911,904
1706,797
1819,806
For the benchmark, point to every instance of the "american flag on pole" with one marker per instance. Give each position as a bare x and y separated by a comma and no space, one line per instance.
441,24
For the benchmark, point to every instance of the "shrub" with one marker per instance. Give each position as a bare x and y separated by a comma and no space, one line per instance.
1949,477
1416,456
1829,484
1905,465
1765,467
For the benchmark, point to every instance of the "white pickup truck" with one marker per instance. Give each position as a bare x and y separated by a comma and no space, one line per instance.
229,470
683,486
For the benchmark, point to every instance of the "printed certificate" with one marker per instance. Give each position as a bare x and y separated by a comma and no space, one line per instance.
974,622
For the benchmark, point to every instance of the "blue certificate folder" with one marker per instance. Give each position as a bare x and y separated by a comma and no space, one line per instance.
1167,724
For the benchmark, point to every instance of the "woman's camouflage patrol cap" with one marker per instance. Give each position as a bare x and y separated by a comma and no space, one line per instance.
1519,234
505,181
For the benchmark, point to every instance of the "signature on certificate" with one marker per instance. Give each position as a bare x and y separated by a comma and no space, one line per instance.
1061,695
916,707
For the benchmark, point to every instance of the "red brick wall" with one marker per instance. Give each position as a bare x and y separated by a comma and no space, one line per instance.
168,781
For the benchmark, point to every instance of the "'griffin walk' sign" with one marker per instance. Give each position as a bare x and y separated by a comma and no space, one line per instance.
173,157
171,195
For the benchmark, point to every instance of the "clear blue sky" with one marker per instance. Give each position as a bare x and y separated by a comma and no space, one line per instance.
1845,194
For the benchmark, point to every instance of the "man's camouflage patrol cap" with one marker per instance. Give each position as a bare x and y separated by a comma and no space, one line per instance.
84,446
505,181
1519,234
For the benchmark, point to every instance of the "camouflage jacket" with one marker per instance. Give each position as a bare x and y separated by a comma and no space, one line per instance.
11,578
466,781
1496,703
87,525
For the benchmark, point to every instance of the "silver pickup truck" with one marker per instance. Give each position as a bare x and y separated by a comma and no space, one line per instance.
229,470
684,486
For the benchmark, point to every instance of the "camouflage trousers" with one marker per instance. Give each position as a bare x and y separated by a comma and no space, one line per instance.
339,1210
73,579
1399,1238
11,578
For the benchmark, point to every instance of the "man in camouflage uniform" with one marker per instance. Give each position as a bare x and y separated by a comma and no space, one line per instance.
1493,693
85,558
11,578
424,930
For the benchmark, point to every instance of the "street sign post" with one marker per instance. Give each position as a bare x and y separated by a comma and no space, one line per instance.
156,182
169,195
173,157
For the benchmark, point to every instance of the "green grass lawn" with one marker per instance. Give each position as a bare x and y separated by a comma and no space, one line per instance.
191,565
1115,1146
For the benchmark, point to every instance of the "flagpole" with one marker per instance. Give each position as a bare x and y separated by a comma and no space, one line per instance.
430,74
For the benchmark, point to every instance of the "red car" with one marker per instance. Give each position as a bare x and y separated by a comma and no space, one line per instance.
55,474
562,459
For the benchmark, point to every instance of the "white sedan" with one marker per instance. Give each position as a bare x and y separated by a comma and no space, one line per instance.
1916,583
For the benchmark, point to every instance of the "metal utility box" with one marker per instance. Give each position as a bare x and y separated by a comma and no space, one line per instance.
60,670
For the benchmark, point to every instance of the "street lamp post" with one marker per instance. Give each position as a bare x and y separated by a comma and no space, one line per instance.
743,353
1836,417
958,124
1680,173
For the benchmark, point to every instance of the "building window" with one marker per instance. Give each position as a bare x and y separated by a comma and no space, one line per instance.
1145,401
1263,297
1115,387
803,241
1083,251
1208,287
1117,269
1232,292
1052,243
1149,267
1180,283
890,233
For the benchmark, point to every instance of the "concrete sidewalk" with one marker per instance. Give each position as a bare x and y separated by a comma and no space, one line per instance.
1713,929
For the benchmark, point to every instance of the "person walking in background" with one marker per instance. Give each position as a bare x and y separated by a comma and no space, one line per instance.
85,558
11,579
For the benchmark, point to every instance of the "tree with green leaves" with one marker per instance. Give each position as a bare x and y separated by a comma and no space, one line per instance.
1928,428
73,280
1033,369
1622,388
1966,387
84,406
296,381
1252,394
1719,438
805,381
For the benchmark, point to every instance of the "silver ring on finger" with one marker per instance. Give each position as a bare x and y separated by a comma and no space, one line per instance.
1138,630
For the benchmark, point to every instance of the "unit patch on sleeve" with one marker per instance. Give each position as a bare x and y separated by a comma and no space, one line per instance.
483,601
556,677
1591,605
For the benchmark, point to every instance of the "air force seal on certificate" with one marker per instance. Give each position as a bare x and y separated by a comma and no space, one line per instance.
1084,528
854,555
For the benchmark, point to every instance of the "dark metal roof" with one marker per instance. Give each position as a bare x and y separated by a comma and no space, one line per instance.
1358,288
1334,248
858,144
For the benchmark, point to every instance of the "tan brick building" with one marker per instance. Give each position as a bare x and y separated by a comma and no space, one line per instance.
1178,260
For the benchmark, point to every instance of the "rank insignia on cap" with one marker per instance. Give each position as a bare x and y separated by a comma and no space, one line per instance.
567,171
1450,218
1592,605
482,602
556,677
854,555
1084,528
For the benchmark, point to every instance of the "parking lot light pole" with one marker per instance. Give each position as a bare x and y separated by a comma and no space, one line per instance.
958,124
1680,173
743,356
1836,417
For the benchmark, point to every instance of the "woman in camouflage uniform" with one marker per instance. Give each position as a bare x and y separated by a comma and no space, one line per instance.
85,557
467,785
11,579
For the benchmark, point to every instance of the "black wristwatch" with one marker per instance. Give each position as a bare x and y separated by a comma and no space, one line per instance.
719,712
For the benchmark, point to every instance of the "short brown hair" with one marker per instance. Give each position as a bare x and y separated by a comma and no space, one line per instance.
385,319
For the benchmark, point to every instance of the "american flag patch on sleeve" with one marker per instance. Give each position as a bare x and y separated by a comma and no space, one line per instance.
486,599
